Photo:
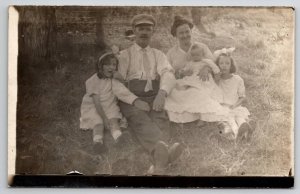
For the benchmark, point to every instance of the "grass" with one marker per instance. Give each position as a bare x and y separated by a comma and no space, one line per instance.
49,140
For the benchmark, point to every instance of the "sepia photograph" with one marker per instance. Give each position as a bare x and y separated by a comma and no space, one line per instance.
151,91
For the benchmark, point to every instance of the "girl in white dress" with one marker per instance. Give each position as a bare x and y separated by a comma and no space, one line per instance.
233,89
192,95
99,109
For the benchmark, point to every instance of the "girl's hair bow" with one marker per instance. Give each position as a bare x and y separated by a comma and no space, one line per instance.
226,51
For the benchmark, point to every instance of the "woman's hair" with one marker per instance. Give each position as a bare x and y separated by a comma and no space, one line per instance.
105,59
232,64
178,21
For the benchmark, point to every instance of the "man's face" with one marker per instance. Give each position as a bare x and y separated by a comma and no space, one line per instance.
143,34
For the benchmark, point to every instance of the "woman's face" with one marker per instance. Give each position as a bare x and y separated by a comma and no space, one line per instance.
225,64
183,33
110,67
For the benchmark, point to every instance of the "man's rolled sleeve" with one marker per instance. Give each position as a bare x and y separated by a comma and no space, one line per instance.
166,72
167,82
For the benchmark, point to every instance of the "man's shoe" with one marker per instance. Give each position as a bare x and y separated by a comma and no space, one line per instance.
175,152
99,148
161,157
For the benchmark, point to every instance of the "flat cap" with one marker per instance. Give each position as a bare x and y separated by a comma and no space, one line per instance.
143,19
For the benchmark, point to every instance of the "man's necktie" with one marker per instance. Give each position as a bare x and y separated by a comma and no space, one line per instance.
147,68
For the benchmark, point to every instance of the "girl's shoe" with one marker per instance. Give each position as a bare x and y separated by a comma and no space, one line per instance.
245,133
99,148
123,139
175,152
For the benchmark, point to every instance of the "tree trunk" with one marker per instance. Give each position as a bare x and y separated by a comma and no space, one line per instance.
37,35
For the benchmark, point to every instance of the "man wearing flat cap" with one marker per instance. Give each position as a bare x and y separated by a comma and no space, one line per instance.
148,74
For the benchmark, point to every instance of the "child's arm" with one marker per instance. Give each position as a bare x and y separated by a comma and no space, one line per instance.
126,96
100,110
238,103
241,93
117,75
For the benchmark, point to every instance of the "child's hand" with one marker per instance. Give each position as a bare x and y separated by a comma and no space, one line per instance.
141,105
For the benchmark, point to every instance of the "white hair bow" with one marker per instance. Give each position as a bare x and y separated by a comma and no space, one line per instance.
115,49
227,51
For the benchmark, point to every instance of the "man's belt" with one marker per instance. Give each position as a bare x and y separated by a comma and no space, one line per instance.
137,87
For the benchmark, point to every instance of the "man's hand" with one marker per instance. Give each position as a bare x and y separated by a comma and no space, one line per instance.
159,101
204,72
141,105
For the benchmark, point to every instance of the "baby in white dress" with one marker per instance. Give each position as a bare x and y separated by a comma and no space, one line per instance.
193,95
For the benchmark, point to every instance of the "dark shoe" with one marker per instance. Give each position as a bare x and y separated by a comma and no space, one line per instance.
244,133
161,157
175,152
99,148
124,139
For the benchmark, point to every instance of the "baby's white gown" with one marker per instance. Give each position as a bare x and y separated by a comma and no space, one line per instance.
193,97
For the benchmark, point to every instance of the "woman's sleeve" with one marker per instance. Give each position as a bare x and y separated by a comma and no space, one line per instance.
122,93
207,53
212,65
241,88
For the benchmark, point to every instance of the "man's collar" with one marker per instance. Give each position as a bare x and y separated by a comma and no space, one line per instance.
138,48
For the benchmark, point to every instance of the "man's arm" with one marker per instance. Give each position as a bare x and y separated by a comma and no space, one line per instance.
167,81
128,97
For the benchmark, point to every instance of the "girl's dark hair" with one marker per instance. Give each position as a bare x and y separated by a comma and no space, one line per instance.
104,60
178,21
232,66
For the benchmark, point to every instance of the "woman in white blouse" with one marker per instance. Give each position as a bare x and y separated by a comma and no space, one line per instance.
179,57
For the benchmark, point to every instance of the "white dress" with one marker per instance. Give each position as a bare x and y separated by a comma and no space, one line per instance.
192,95
233,88
109,91
178,58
